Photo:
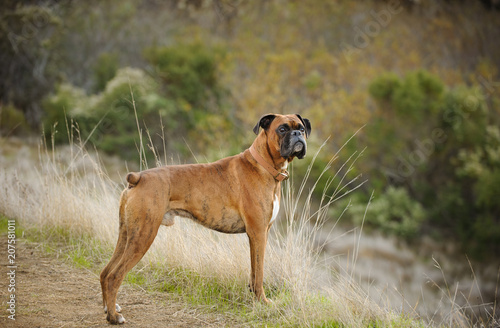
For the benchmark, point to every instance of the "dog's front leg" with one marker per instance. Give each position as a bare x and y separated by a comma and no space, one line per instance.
258,241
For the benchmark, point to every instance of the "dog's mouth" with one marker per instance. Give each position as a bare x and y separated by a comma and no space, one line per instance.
297,148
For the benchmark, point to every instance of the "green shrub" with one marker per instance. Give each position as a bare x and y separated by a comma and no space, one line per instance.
394,212
181,100
187,72
105,69
107,119
110,118
383,87
465,116
188,77
441,147
414,97
486,233
12,121
59,108
487,189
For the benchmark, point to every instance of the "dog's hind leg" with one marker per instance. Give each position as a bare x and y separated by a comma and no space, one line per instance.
119,249
139,239
117,255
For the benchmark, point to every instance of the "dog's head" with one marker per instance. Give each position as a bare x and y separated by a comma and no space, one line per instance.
286,134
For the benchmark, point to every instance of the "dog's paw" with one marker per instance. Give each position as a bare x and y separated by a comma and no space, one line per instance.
117,319
266,301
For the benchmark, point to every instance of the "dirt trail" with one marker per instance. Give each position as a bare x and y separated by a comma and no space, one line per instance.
52,293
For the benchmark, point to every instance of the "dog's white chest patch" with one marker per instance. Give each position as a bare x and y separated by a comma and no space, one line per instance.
276,209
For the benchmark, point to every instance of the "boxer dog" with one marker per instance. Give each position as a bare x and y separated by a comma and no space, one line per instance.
237,194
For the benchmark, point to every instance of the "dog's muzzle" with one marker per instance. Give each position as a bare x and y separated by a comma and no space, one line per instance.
294,146
298,147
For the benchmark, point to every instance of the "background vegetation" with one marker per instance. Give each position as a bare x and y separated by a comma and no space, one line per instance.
422,76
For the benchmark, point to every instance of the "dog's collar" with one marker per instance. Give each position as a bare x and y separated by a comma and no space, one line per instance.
278,176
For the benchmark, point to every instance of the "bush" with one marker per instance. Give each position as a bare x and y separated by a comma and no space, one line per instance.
180,100
188,77
486,233
12,121
418,96
104,70
408,111
383,87
465,116
187,72
394,212
441,148
110,118
59,108
106,119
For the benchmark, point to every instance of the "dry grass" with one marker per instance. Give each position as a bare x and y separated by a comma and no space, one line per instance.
68,190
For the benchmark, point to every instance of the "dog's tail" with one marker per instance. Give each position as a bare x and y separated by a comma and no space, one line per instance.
133,179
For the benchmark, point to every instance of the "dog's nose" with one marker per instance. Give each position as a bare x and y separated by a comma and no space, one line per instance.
296,133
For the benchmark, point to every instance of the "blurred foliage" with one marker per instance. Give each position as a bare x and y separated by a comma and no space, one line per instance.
28,34
189,79
109,117
441,147
415,101
12,121
394,212
182,94
105,69
188,72
56,121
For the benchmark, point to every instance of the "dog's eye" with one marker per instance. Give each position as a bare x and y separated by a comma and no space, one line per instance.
282,129
301,129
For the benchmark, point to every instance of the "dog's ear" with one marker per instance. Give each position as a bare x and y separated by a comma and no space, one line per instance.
306,123
264,122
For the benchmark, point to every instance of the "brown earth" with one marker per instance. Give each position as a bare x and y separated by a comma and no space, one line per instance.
51,292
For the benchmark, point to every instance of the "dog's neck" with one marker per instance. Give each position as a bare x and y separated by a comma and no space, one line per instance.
263,148
276,166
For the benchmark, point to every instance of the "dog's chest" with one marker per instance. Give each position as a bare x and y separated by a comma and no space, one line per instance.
276,209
